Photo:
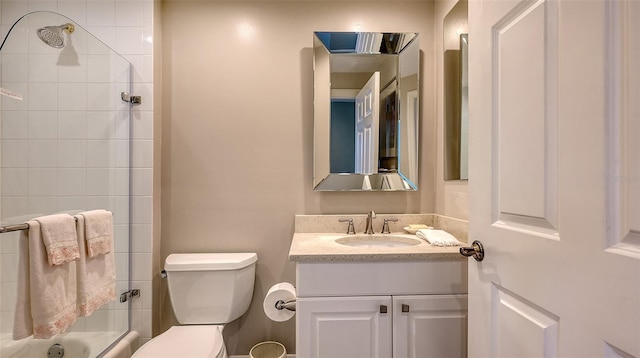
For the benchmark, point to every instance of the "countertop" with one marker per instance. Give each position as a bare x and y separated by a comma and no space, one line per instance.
321,247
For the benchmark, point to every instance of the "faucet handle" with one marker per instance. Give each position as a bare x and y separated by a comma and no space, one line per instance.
350,229
385,225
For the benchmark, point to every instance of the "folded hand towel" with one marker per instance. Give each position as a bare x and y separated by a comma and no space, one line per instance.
438,237
59,237
96,275
46,302
98,231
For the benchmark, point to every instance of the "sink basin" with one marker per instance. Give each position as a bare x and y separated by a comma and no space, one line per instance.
374,241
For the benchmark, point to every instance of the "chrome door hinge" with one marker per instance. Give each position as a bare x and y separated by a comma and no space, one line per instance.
124,297
126,97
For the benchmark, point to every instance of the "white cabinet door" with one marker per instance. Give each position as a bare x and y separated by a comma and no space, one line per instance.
344,327
430,326
554,178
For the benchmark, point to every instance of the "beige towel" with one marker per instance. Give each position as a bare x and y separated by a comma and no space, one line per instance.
59,237
96,275
46,302
99,231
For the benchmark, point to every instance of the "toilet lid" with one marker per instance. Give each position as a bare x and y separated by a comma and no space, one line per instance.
184,341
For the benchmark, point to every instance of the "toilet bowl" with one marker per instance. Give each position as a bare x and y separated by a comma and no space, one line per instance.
207,291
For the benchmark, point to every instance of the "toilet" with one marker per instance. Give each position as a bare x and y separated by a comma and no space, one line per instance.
207,291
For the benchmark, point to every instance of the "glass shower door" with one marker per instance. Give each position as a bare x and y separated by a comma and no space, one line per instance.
65,148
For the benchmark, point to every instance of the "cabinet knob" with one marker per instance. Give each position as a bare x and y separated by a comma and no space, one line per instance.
383,309
405,308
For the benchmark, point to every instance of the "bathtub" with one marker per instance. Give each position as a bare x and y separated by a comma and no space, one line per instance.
76,345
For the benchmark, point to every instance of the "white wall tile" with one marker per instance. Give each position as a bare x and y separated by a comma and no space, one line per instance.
43,153
72,96
142,125
72,153
14,206
129,40
46,95
75,10
141,177
129,14
15,67
142,154
69,203
101,13
42,5
18,41
43,124
99,97
99,68
13,10
15,124
100,124
72,181
42,205
142,210
42,67
99,154
121,210
14,181
100,181
140,267
141,238
43,182
15,153
72,125
72,67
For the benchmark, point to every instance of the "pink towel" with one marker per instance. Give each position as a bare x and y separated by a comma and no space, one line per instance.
98,231
96,275
59,237
46,302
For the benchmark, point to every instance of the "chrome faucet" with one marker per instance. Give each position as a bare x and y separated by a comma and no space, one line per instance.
369,225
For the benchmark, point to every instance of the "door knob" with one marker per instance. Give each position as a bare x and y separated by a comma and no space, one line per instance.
476,250
383,309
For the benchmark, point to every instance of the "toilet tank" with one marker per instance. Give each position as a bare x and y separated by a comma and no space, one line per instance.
211,288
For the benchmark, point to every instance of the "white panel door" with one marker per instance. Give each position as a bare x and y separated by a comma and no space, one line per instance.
344,327
429,326
554,178
367,102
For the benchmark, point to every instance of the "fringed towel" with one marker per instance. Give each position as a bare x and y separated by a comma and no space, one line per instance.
46,303
59,237
96,275
98,231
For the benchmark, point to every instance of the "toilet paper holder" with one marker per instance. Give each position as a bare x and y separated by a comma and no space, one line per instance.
288,305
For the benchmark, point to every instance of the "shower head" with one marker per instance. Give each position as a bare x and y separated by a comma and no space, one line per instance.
52,35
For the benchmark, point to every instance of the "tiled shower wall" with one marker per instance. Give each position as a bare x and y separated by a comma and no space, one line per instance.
127,27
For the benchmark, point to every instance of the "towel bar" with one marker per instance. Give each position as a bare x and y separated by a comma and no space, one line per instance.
18,227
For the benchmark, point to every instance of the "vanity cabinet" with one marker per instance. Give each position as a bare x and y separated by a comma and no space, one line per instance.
417,326
381,309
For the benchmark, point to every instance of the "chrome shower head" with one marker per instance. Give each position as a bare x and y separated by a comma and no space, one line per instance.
52,35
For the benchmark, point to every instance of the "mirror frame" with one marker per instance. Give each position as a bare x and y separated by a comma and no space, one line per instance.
405,176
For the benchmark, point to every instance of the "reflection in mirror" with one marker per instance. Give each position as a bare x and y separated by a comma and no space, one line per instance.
366,111
456,100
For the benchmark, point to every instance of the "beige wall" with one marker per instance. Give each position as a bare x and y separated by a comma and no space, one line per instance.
237,119
452,197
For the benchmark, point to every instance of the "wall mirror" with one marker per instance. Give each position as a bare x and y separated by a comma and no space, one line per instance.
366,111
456,93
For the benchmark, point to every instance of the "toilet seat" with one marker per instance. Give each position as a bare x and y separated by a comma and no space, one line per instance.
198,341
